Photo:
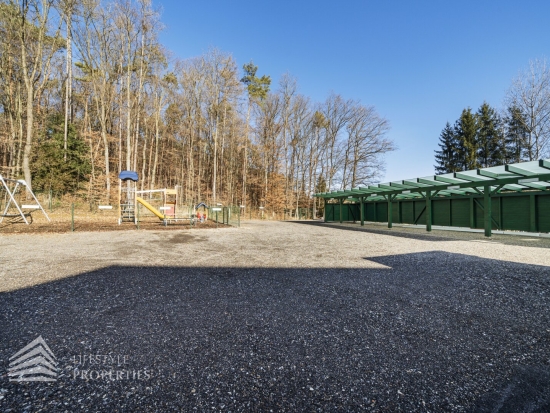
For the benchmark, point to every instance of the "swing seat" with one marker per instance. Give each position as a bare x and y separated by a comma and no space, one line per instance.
105,207
15,218
30,207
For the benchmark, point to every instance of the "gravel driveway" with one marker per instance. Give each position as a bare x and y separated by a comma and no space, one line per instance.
278,316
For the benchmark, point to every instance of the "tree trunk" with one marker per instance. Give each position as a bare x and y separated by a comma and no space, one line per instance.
68,85
28,142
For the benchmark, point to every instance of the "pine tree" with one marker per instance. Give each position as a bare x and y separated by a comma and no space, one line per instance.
465,130
489,141
517,136
257,87
446,157
49,167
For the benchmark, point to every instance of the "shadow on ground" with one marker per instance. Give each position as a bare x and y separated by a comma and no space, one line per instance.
394,232
435,331
436,235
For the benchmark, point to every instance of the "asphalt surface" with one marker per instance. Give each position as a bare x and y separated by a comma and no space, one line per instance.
427,331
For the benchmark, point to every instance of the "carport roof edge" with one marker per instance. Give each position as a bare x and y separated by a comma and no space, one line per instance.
533,175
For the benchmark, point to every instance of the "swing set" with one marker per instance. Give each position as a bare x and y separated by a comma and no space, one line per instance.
14,189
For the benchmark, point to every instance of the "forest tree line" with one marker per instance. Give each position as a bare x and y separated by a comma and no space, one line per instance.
87,90
488,137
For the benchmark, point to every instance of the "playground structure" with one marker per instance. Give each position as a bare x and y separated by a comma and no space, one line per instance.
202,216
14,209
130,200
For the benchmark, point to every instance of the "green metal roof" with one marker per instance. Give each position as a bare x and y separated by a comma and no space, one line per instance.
516,177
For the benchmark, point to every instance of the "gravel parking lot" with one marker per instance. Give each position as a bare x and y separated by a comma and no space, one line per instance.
279,316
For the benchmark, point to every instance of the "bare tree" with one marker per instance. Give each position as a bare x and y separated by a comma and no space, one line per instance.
99,47
67,10
337,113
530,93
366,144
288,87
38,44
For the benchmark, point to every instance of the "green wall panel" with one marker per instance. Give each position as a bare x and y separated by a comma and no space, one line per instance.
369,211
351,212
543,213
381,212
441,212
515,213
460,212
329,212
420,212
395,212
407,212
478,212
345,213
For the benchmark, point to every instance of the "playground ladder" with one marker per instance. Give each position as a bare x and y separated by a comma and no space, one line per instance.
127,212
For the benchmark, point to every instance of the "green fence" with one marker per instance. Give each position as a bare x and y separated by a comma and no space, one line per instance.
300,213
511,211
229,215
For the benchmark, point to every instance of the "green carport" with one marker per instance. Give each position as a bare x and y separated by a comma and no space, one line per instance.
506,197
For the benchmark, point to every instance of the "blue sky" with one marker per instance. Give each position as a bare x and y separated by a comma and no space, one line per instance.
418,62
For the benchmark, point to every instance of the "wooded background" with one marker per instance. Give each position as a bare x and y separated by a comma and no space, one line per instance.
87,90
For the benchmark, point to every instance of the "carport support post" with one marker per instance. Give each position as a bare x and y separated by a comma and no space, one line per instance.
390,211
428,211
361,211
487,210
341,208
472,213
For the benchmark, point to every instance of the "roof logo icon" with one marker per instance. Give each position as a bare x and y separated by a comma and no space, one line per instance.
34,362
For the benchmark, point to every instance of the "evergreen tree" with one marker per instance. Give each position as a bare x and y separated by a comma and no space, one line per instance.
50,169
517,136
465,130
257,87
446,157
490,149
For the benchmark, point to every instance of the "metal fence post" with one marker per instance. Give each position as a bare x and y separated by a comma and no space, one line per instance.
72,217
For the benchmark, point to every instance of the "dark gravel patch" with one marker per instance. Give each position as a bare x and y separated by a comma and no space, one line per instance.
100,225
435,332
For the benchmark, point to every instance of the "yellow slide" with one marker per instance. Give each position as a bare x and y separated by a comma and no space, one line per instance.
150,208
